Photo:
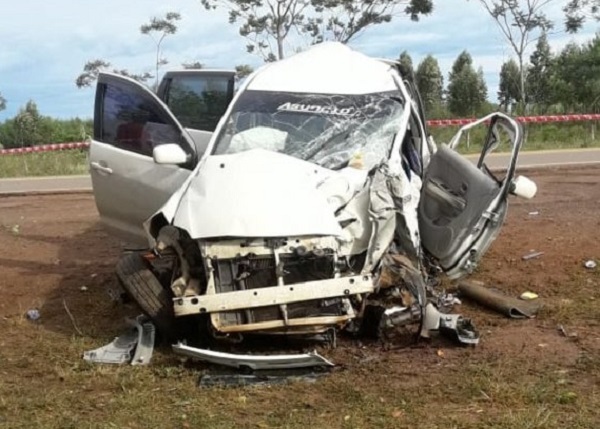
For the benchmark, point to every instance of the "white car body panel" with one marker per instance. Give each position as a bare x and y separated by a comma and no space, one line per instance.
256,193
137,186
327,68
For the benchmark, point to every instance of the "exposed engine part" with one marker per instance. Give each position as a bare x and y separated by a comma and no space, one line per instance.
171,237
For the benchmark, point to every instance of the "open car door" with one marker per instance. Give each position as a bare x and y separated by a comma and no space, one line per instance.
130,122
463,205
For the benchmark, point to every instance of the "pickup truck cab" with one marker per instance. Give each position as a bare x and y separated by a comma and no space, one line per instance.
130,120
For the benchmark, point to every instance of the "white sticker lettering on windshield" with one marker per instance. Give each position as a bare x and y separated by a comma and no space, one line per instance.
315,108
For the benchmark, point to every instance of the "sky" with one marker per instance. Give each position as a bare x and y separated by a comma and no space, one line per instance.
45,44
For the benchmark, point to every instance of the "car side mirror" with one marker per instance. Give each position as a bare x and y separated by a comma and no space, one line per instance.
170,153
523,187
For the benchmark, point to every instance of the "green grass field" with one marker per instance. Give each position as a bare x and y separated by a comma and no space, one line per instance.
539,137
58,163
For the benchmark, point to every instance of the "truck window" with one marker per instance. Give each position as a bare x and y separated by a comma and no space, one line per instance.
198,102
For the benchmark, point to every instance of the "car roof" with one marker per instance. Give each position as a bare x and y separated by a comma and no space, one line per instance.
327,68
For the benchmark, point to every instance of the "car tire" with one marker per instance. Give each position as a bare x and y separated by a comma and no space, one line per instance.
140,283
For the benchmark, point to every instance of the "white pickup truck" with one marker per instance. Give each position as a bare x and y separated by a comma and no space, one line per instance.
295,204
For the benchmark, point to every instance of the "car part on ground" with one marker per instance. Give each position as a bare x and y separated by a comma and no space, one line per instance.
264,378
134,346
253,362
510,307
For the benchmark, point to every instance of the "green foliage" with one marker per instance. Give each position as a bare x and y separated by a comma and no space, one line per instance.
539,85
30,128
243,70
467,90
194,65
519,22
267,24
406,64
576,77
578,11
508,88
61,163
430,82
158,29
2,102
342,20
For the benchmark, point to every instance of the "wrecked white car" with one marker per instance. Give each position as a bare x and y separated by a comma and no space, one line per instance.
319,203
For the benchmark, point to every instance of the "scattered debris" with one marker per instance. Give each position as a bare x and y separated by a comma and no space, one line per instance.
534,213
121,349
511,307
72,318
259,378
460,328
591,264
33,314
253,362
528,296
563,331
532,255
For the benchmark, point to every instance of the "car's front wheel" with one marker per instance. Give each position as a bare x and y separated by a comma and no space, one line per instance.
145,289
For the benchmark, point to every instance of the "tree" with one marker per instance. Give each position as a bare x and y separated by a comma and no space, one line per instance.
406,63
268,24
342,20
578,11
467,90
576,77
508,88
242,71
29,126
92,68
519,21
2,102
194,65
158,29
430,82
539,74
264,22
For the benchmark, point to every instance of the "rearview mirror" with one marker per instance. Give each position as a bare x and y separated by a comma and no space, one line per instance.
170,153
523,187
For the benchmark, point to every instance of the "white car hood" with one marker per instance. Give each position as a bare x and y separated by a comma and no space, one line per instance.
256,193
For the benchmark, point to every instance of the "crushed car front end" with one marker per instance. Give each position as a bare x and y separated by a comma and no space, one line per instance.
306,213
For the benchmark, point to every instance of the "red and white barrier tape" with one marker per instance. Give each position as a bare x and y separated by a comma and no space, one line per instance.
523,119
45,148
432,123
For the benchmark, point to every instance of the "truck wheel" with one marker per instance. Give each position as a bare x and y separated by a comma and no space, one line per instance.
143,287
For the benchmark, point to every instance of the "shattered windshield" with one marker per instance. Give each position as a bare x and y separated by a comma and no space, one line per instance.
333,131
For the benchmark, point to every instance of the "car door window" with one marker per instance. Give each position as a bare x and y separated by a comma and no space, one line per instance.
132,122
198,102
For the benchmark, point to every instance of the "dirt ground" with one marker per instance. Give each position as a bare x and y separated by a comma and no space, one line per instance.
56,257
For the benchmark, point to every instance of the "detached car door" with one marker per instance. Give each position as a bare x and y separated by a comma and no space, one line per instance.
463,205
129,186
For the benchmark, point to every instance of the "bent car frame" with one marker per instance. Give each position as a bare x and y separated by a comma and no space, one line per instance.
319,202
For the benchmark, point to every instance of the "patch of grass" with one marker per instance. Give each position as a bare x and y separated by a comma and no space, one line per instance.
537,137
58,163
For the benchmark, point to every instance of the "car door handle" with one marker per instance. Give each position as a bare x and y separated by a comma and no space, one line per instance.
101,168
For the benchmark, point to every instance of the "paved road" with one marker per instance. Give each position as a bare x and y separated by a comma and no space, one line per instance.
545,158
56,184
548,158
